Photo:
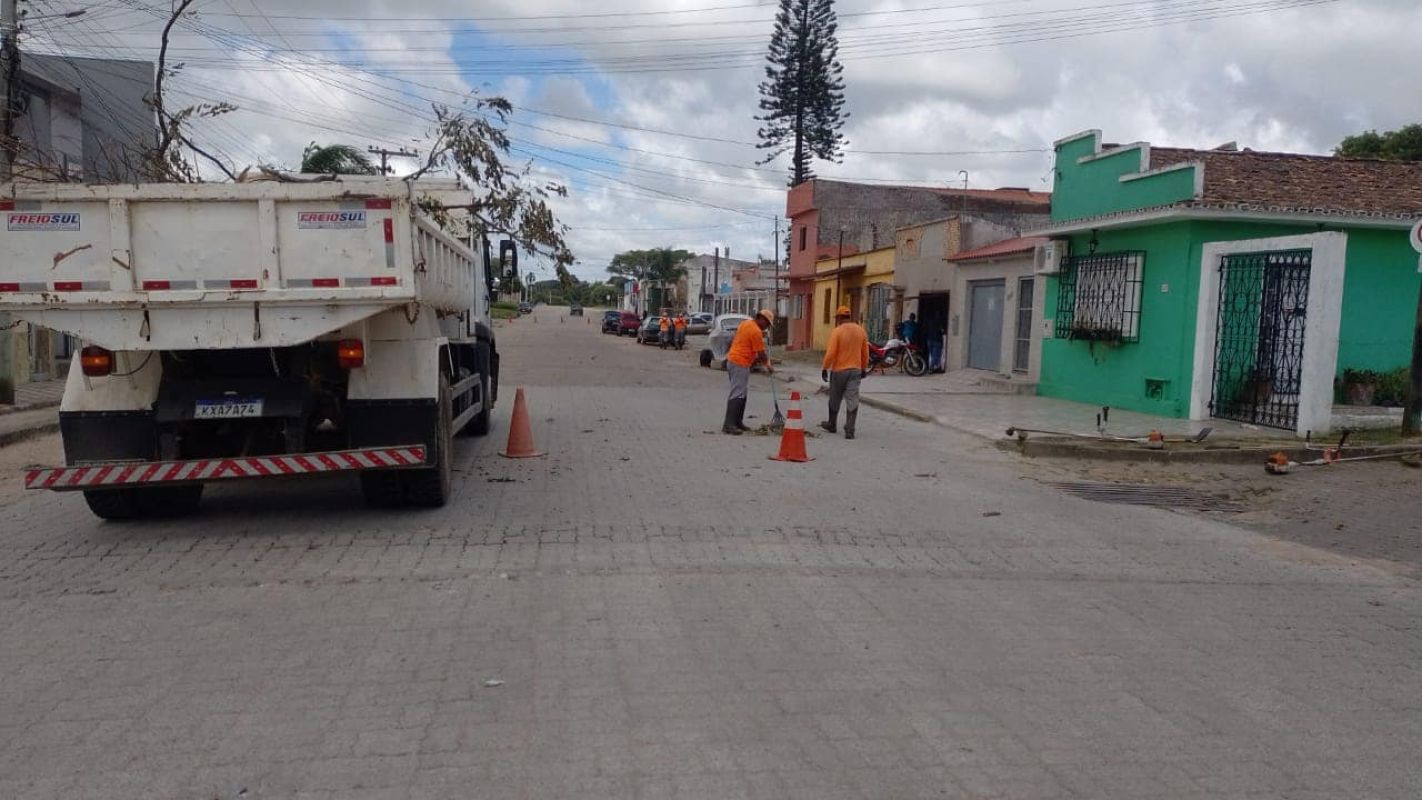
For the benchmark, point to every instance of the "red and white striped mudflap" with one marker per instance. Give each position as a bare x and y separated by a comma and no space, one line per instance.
147,473
792,439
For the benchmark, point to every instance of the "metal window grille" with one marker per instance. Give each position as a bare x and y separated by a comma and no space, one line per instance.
1099,297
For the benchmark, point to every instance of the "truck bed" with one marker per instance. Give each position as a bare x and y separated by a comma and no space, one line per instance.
216,266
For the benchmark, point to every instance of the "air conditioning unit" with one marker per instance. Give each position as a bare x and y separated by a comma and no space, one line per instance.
1048,258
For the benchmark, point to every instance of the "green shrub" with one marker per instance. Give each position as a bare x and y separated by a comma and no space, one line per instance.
1392,387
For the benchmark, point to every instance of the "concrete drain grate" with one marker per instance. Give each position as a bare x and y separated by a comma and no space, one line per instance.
1159,496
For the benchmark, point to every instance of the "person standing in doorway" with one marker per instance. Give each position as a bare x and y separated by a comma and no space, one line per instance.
933,332
908,329
747,350
846,363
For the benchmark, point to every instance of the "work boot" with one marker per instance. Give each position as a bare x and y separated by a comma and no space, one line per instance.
849,419
829,426
730,426
741,415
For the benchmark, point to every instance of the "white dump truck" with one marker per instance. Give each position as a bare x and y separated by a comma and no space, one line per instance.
256,331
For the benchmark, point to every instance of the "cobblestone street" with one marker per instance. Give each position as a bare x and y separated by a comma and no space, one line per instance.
655,610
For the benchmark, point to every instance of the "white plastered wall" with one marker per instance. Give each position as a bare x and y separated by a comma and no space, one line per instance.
1325,316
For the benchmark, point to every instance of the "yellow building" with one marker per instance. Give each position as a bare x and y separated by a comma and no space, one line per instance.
865,283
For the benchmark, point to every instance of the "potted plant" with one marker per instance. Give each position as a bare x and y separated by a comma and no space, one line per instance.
1258,388
1360,386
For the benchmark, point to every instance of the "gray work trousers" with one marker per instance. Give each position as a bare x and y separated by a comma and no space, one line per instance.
740,381
843,386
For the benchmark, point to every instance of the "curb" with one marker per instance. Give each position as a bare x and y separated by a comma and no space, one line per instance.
1059,448
874,402
11,437
8,410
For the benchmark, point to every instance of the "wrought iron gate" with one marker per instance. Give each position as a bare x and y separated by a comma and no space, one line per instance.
1259,337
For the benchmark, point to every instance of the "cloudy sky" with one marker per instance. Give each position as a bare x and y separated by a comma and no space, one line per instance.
645,108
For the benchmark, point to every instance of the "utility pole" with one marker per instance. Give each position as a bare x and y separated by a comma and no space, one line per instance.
10,76
839,270
716,285
777,268
1412,414
385,155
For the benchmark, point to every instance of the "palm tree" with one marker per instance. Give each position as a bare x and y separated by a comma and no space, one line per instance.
336,159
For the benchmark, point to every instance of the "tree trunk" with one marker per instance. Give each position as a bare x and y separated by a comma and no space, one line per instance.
802,54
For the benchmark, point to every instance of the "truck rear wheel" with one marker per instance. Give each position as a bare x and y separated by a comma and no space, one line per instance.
382,488
431,487
113,504
162,502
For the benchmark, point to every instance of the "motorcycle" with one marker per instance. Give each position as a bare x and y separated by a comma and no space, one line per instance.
898,353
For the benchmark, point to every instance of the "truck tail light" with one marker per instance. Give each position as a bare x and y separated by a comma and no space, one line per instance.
350,353
96,361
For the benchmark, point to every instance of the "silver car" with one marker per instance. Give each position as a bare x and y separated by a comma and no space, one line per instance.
699,324
718,341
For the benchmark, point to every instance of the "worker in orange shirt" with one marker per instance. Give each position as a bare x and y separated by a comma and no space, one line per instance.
679,327
747,350
846,363
664,330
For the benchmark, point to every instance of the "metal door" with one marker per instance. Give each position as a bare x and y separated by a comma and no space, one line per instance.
876,313
1022,348
1259,337
985,324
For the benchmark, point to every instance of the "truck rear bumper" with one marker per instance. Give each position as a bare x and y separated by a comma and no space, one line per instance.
149,473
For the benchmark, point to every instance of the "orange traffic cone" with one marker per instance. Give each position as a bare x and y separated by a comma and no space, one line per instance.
520,432
792,440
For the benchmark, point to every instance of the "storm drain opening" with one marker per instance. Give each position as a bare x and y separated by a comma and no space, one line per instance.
1158,496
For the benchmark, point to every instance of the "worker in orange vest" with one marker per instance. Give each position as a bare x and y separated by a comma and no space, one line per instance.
846,363
747,350
679,326
664,330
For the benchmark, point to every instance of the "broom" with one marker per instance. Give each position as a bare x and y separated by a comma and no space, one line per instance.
777,421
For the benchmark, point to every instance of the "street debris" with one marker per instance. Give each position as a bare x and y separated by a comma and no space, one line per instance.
1149,495
493,683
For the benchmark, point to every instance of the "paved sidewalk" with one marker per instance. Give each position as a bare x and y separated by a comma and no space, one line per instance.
34,412
966,401
36,394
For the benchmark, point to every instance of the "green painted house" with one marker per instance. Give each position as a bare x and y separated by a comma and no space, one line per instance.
1224,283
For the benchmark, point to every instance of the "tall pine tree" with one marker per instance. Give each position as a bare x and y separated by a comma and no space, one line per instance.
802,97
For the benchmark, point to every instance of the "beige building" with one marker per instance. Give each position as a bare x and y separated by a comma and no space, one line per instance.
995,310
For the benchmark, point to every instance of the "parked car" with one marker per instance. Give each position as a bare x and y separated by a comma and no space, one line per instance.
611,320
718,342
647,333
525,308
699,324
575,310
628,324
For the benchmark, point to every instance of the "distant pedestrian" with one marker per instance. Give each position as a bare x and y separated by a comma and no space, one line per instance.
747,350
664,330
679,330
846,363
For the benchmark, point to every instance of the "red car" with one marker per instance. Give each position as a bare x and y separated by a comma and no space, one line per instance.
628,325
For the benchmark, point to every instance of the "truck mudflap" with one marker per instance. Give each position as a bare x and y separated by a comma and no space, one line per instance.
150,473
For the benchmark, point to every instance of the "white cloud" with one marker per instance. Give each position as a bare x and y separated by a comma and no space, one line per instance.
1297,79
